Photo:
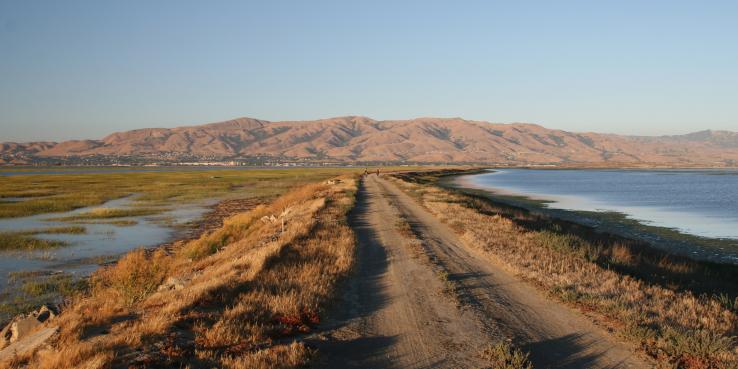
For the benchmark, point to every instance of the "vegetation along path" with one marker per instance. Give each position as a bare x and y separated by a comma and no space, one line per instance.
421,299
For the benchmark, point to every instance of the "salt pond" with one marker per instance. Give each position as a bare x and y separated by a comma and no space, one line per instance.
699,203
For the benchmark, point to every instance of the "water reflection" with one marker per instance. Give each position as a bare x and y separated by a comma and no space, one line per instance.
101,242
694,202
701,203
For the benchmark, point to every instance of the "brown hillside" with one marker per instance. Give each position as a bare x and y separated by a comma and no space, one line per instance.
419,140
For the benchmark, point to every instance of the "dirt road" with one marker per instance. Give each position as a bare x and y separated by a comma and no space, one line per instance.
440,311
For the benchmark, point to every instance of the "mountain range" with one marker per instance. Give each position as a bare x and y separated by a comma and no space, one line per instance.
426,140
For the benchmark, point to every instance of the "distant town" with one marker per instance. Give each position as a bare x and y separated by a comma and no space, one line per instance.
175,159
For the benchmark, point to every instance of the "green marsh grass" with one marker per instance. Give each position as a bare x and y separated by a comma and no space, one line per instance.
61,284
52,230
24,240
115,222
13,241
107,213
35,288
53,193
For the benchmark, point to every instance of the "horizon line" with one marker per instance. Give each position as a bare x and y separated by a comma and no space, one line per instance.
365,117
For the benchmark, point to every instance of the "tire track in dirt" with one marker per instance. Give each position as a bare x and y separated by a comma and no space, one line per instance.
395,313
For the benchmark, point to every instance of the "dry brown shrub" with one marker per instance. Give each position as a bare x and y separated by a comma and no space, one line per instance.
621,254
277,357
133,278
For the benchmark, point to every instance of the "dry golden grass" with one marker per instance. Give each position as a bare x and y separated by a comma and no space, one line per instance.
404,228
503,355
677,327
235,298
135,277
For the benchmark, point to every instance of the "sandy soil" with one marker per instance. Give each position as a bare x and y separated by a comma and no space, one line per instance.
399,312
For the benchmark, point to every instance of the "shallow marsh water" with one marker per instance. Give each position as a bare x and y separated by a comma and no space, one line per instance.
102,242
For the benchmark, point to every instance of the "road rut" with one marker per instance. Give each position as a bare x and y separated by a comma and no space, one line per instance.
397,311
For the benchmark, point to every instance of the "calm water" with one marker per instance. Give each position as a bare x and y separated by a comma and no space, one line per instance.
100,242
697,202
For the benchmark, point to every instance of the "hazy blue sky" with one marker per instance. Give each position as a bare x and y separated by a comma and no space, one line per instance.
83,69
